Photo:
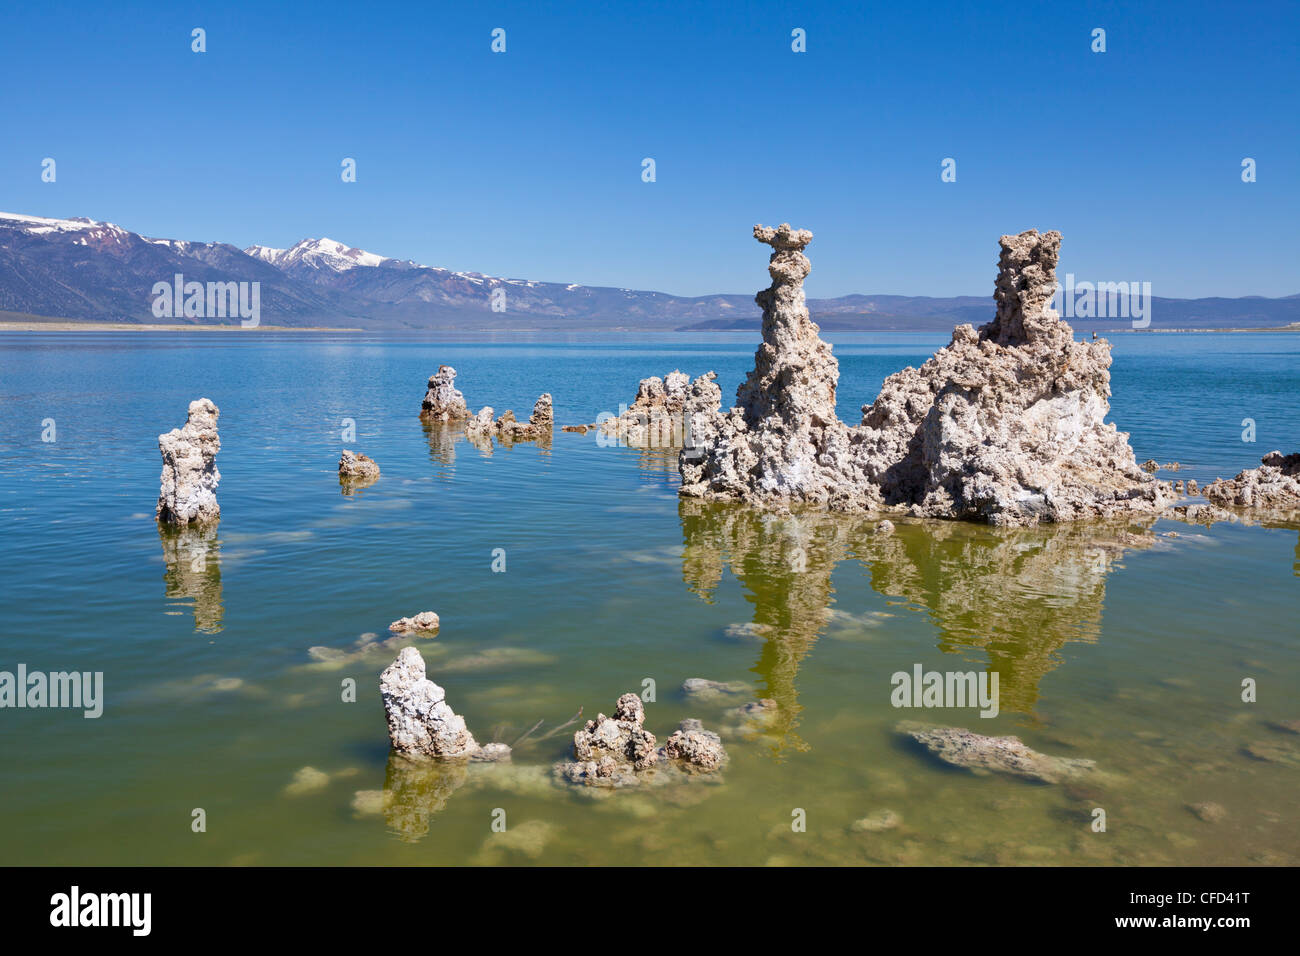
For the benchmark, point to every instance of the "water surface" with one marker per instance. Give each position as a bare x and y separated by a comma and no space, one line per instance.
1126,650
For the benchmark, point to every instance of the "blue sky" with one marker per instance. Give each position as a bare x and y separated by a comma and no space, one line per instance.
528,164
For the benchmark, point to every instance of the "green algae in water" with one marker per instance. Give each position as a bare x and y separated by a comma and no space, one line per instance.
1113,642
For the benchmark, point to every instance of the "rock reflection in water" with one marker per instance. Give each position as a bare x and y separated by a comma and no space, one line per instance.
192,556
1016,596
442,440
413,791
351,486
443,437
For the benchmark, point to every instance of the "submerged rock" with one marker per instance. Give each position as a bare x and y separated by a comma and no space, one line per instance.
1208,812
442,402
710,691
358,468
751,719
1005,425
420,722
424,621
962,748
528,839
1274,484
307,780
877,822
187,491
660,416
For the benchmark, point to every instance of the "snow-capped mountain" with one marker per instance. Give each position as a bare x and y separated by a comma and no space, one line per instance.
317,254
81,268
85,269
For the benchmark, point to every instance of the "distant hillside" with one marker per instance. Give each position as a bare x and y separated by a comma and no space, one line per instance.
86,270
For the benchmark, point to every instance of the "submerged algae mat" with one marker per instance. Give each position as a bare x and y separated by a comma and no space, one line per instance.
1113,642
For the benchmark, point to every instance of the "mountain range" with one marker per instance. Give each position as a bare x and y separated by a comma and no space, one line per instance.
84,270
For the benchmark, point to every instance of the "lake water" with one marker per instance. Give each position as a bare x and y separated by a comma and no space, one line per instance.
1132,656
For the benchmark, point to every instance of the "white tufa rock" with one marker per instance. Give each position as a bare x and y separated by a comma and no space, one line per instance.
443,402
187,490
424,621
507,429
356,466
660,416
1274,484
1005,425
420,722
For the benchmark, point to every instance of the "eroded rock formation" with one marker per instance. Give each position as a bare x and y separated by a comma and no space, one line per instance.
357,471
1275,484
618,751
1006,424
187,492
508,430
420,721
353,465
660,415
698,750
424,621
443,402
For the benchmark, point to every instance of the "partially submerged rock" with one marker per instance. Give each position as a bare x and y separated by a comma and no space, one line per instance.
424,621
1205,514
442,402
356,472
699,750
358,466
618,751
420,721
661,414
976,752
1274,484
507,429
187,490
1005,425
608,750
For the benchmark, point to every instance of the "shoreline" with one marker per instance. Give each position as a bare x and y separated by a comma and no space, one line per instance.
76,326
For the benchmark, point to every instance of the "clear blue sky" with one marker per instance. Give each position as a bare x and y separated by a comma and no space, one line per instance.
528,164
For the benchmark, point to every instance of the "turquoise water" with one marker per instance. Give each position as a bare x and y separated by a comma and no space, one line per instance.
1126,650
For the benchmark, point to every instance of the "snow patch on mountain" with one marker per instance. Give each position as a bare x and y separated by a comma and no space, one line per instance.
318,253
